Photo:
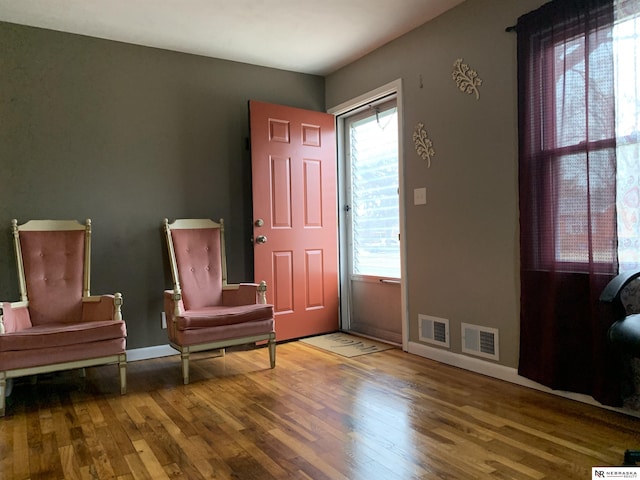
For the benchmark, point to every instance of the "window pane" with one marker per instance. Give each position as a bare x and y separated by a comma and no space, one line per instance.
374,202
627,52
579,119
586,215
628,203
626,33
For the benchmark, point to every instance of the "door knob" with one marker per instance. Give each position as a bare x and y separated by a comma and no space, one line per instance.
261,239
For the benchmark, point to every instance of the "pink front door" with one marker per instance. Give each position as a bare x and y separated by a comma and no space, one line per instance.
293,156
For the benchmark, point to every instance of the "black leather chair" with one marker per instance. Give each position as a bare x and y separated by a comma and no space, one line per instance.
624,334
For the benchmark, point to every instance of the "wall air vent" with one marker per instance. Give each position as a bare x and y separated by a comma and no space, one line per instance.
433,330
480,341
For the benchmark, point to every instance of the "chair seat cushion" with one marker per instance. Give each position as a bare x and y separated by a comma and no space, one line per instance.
17,359
58,335
223,333
219,316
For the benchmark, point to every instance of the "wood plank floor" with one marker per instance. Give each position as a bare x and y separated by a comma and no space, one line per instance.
389,415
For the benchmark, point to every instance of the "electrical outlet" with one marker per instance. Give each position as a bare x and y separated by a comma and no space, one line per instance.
163,319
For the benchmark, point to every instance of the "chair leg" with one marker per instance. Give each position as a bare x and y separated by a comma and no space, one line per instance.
122,368
3,386
185,366
272,352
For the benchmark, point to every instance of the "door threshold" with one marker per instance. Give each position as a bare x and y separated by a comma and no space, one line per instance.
372,337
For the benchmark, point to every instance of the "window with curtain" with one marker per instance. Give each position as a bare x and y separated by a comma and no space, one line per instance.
626,50
579,192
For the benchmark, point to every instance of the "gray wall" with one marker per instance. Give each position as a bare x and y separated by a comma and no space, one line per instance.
127,135
462,247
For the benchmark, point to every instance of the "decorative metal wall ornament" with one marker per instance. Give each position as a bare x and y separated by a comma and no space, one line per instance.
466,78
424,146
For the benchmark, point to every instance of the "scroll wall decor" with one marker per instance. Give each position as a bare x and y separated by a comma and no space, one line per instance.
424,146
466,78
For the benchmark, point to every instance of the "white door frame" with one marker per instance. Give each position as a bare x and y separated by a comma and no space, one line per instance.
394,87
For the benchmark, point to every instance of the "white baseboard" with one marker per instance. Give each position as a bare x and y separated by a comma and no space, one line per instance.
501,372
148,353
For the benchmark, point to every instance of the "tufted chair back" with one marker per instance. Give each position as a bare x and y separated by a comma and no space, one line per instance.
51,267
197,261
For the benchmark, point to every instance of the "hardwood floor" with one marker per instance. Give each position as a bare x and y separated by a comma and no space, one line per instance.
388,415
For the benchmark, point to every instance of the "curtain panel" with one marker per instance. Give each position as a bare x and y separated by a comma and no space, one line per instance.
567,187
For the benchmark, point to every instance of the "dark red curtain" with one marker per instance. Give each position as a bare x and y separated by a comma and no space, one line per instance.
567,173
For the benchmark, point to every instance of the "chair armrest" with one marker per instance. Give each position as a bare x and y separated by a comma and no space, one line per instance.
173,307
102,307
173,304
14,316
612,291
244,294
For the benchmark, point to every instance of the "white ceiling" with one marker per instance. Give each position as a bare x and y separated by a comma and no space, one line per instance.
309,36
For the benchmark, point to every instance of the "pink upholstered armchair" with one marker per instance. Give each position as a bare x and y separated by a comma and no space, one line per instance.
57,324
203,311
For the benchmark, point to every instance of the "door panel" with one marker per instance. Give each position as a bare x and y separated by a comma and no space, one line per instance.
280,192
294,172
314,264
283,279
375,308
